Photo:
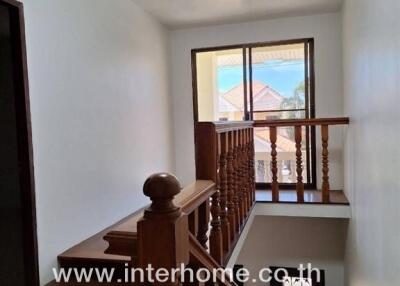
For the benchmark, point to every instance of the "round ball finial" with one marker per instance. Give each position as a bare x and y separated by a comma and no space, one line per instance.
161,185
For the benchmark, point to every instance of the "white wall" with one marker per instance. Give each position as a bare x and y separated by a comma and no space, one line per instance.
326,29
291,241
100,115
372,97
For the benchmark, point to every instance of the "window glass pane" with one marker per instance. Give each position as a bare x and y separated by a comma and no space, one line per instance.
278,77
220,89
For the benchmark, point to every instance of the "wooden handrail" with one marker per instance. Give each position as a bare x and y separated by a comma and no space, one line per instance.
225,126
302,122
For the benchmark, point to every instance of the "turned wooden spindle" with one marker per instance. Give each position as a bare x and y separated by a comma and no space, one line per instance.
203,219
239,178
252,167
231,191
274,164
242,178
236,198
223,187
325,163
245,170
249,169
249,189
166,220
216,248
299,167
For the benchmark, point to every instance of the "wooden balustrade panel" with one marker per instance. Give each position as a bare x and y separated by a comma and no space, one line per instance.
231,192
325,163
274,164
299,167
223,186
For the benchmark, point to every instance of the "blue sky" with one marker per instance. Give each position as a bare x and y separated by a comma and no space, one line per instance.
283,76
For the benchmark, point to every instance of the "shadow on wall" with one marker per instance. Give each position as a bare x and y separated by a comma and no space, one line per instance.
289,241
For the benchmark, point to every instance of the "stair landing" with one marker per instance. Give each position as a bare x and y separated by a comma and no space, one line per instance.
310,197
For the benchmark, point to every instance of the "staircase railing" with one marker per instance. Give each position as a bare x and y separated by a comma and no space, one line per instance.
298,124
174,229
199,225
225,154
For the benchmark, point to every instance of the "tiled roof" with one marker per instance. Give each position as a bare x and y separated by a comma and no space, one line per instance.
263,145
264,97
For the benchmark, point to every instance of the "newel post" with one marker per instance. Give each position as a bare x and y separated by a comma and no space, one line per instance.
163,232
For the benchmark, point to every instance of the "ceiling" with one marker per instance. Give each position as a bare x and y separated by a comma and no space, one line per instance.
177,14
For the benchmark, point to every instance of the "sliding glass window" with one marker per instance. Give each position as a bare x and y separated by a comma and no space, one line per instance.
262,81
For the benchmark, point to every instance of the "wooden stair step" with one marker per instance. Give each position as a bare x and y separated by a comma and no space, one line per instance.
92,251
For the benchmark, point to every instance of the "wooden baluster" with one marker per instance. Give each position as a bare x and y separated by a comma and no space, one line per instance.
168,222
246,165
203,218
239,178
194,222
222,151
249,168
236,197
231,191
274,164
242,178
325,163
299,167
246,172
216,248
252,167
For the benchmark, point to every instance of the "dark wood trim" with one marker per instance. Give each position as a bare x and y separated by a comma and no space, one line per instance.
251,82
24,138
307,102
245,110
252,45
194,87
312,112
310,149
12,3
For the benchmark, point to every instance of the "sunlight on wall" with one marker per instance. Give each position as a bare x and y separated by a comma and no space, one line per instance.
207,96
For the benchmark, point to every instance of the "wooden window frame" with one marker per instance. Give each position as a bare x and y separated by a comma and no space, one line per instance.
248,106
24,141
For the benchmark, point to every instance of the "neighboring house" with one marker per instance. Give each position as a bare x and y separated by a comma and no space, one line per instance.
264,98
